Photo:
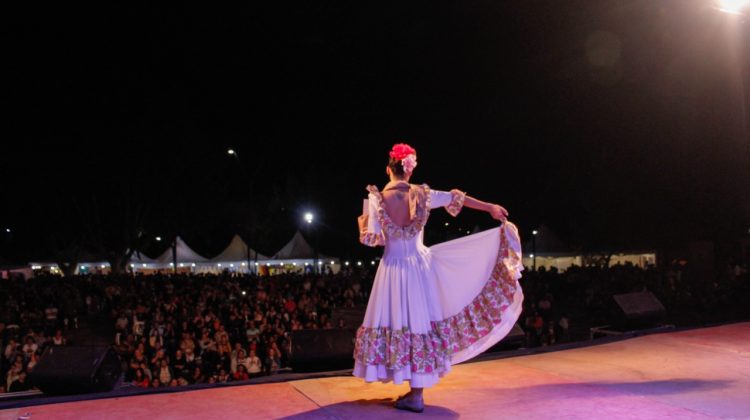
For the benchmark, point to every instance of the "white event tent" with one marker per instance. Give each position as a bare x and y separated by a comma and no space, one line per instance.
187,259
298,253
296,256
237,256
552,252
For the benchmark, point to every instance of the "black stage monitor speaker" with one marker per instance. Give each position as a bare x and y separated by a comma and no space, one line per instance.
352,317
639,308
76,370
515,334
513,340
318,350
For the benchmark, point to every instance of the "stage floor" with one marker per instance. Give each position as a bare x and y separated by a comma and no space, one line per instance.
696,374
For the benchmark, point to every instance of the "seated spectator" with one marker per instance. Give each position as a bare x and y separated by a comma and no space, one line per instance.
198,377
241,374
140,379
11,349
254,367
19,384
273,361
50,316
165,373
33,361
190,360
29,348
14,372
58,339
252,331
179,364
223,376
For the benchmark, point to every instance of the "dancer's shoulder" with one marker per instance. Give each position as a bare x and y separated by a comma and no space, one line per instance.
423,187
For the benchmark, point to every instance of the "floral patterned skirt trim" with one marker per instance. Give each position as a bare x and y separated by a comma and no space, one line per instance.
430,352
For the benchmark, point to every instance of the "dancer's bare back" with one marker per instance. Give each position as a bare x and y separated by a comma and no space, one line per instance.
396,201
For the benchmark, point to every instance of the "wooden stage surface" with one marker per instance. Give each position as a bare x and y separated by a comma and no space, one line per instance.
695,374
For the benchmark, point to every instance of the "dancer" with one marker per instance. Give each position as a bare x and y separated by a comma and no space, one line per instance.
434,307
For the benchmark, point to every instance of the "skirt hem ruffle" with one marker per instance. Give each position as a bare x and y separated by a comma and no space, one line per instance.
380,373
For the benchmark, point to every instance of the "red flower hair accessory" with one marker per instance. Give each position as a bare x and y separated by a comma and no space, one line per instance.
401,151
406,154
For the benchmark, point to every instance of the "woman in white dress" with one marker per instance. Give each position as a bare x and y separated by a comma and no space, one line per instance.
434,307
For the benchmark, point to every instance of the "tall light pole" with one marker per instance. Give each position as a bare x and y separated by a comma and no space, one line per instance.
309,217
236,155
533,248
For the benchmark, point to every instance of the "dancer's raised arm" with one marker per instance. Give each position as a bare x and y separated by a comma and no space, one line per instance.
454,200
497,211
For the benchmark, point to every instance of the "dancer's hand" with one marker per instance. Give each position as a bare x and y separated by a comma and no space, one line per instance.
362,220
498,213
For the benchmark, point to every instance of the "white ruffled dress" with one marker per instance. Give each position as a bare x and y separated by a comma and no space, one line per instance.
434,307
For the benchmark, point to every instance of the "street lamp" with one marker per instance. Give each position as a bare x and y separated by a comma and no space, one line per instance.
533,248
233,153
158,239
309,217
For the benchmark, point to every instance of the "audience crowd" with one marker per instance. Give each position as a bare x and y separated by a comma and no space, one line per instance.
179,330
173,330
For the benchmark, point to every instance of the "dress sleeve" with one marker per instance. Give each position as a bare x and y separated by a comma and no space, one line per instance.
371,234
452,200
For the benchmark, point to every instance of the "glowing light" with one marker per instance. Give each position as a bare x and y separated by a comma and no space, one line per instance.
7,230
531,255
734,7
320,262
447,224
182,265
219,264
158,239
331,262
372,262
534,232
359,262
132,265
230,151
145,265
346,263
103,266
256,264
192,265
244,293
309,217
231,265
171,264
243,264
294,264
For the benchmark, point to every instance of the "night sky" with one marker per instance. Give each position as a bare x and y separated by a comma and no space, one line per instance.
617,124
